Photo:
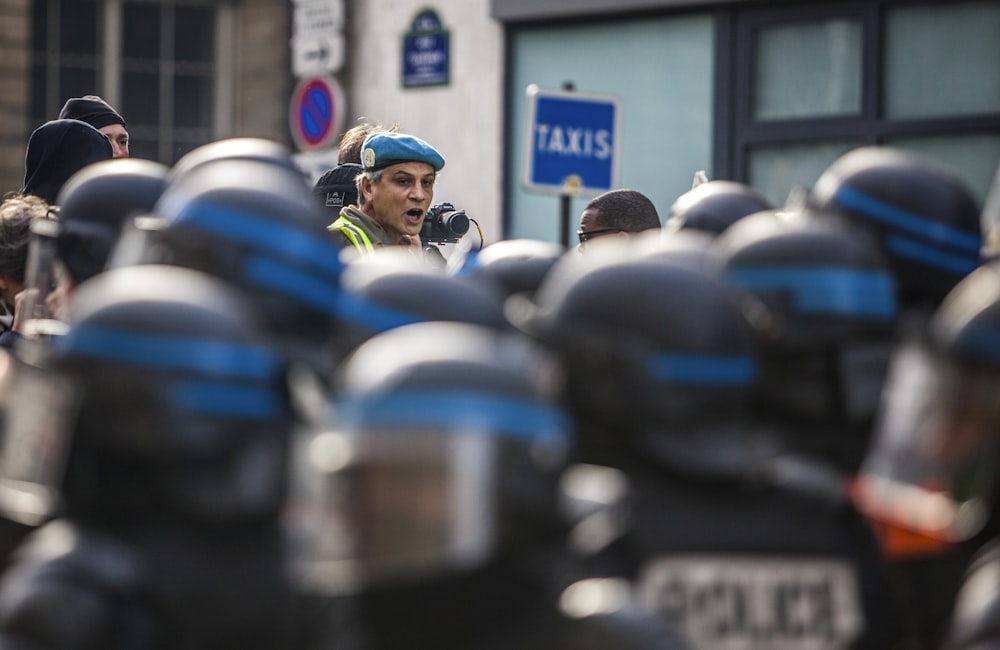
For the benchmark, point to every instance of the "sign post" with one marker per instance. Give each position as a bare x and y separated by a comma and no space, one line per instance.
318,45
316,111
317,106
571,145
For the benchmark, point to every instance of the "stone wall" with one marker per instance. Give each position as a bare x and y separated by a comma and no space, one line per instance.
264,83
15,59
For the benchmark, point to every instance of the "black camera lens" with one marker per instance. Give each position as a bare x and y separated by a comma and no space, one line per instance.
455,224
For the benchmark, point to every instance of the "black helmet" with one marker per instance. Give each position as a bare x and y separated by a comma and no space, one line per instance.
635,330
514,266
925,219
256,226
935,454
691,248
713,206
96,203
444,451
820,282
178,407
393,288
241,148
825,307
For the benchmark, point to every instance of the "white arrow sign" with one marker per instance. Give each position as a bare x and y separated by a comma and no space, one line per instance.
317,54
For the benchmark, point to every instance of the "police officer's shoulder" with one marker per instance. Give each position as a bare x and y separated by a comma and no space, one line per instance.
65,587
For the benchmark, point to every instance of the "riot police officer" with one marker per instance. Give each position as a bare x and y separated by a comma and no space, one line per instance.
931,472
826,308
745,542
160,441
254,224
430,504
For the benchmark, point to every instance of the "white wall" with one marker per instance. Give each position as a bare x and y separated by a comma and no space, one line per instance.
463,120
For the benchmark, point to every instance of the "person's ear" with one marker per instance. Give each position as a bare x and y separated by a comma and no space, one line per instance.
366,188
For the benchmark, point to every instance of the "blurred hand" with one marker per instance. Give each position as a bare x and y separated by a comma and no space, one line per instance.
20,311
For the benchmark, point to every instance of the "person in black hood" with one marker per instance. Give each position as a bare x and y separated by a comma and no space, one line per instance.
57,150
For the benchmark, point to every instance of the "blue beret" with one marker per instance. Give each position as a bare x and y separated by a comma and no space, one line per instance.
382,149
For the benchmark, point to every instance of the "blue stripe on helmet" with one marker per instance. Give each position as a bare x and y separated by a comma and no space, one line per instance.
303,286
833,290
373,317
703,370
455,409
267,234
326,297
909,222
226,400
959,265
163,352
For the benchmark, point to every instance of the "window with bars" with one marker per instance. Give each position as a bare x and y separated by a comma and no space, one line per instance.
154,60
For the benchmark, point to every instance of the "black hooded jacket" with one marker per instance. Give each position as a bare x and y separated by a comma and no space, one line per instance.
57,150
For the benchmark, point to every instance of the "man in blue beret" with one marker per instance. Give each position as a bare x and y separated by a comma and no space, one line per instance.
395,189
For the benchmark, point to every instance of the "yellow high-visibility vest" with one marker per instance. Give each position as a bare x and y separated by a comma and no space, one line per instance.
356,235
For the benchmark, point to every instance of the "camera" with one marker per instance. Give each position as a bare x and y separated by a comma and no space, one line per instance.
443,224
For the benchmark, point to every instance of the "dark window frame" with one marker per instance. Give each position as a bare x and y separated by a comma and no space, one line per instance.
737,133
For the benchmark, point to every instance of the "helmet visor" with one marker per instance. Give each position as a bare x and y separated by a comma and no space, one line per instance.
388,505
932,467
39,407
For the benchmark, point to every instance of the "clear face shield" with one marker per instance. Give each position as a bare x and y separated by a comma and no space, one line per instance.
369,507
934,461
39,407
41,282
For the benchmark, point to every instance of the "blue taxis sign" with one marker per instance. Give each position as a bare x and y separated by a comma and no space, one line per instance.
571,142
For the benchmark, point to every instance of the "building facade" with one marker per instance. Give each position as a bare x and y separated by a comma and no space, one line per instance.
765,92
181,72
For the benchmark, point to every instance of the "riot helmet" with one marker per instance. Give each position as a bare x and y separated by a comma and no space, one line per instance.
649,345
924,218
96,203
35,405
514,266
825,307
392,288
439,458
934,464
713,206
259,150
691,248
180,408
257,227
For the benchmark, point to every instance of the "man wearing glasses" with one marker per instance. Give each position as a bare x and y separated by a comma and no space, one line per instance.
617,212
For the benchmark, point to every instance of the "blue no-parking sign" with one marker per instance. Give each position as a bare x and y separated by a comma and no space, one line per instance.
316,111
571,142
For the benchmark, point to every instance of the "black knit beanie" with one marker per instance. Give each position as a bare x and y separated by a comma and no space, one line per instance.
336,188
90,109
